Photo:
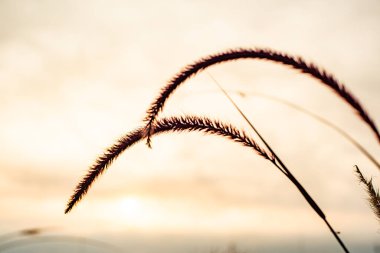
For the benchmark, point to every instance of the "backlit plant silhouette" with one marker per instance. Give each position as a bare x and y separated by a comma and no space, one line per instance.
373,194
154,125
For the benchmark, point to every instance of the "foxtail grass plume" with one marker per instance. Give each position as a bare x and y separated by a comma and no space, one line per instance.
189,124
294,62
171,124
373,195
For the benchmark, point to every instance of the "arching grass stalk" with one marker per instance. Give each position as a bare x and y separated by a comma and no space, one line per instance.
37,240
24,232
313,115
172,124
179,124
263,54
324,121
283,168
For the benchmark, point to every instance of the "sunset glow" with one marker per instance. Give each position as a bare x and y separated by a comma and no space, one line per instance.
77,75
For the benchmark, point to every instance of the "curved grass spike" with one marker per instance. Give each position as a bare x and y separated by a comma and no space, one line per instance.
179,124
373,195
263,54
172,124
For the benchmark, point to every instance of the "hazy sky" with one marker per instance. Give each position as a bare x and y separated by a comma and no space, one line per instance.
76,75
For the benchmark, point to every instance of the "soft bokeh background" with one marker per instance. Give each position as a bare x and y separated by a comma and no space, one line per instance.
76,75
